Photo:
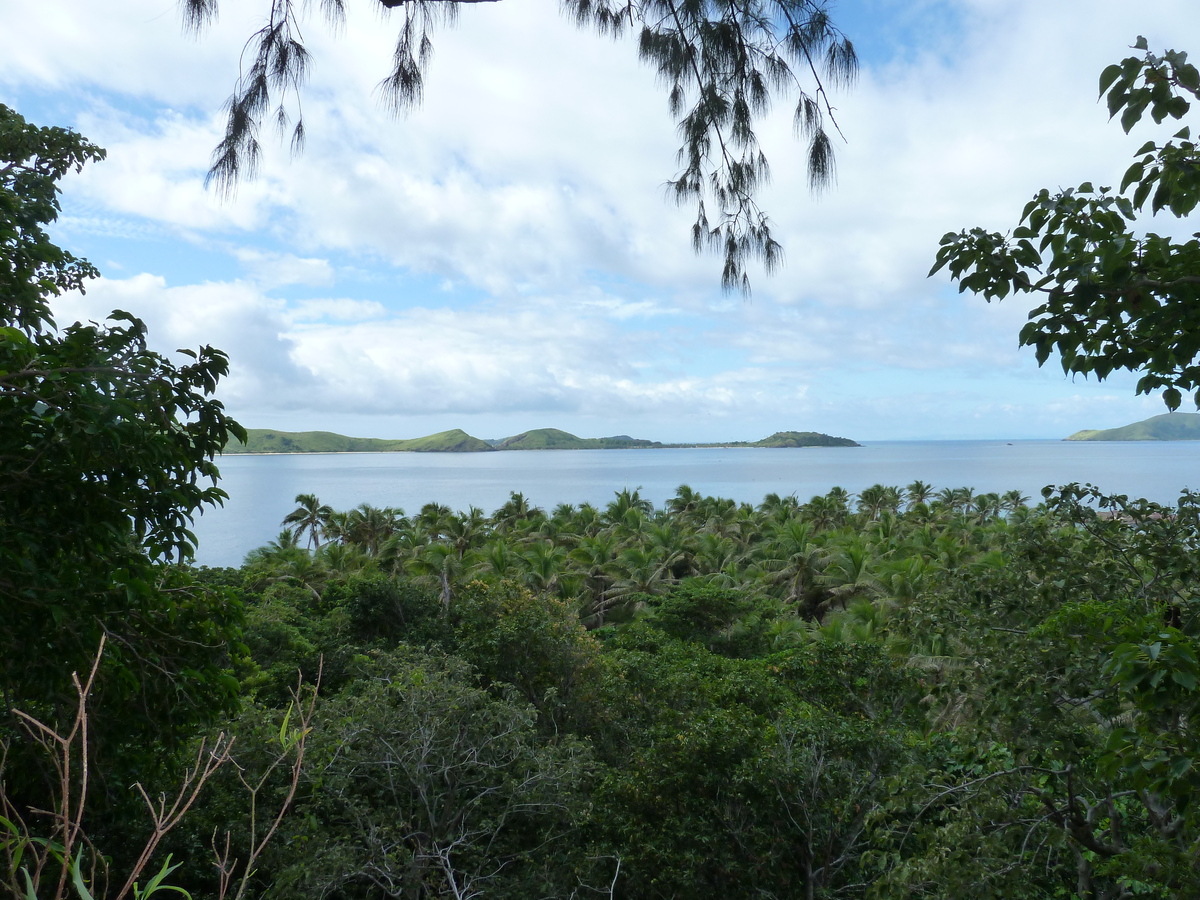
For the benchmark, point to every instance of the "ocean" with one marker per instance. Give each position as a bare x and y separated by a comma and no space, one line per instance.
262,489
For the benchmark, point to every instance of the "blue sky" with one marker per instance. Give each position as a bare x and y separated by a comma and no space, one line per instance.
503,258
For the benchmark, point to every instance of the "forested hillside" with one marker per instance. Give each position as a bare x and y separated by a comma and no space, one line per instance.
905,693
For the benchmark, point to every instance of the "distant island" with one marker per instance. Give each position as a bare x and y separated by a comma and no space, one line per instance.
1167,427
262,440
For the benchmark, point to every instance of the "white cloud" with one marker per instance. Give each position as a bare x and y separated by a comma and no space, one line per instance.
271,270
343,309
529,187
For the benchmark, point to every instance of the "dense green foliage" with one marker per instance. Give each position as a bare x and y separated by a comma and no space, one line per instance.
1111,296
1167,427
908,693
106,453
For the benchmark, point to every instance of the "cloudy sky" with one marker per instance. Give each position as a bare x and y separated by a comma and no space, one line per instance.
503,257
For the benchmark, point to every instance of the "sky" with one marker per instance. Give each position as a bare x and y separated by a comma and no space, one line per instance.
504,256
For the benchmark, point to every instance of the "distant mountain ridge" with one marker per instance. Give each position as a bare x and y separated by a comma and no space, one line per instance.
263,440
1167,427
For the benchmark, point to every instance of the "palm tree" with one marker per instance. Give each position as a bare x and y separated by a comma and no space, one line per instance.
592,558
847,577
343,558
542,564
1011,501
587,521
862,622
369,526
312,516
515,509
987,506
918,492
824,512
685,502
625,501
672,547
497,558
439,562
791,560
465,530
719,515
435,519
779,508
877,499
285,546
284,560
718,554
636,570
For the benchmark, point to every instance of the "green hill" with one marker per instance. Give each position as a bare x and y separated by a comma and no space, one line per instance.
804,439
261,440
554,439
1167,427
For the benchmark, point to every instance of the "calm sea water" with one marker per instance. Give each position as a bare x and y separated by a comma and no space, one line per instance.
262,488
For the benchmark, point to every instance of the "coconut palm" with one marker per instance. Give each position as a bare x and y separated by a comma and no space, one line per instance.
918,492
440,563
779,508
719,515
587,521
283,560
312,516
685,503
877,499
824,512
369,526
986,506
515,509
862,622
672,547
716,553
497,558
592,559
344,559
435,519
636,570
1011,501
624,501
465,530
789,559
541,565
847,577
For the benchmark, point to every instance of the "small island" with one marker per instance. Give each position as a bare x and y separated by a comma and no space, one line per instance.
1166,427
262,440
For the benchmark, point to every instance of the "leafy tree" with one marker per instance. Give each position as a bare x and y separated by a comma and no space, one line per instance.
310,515
1062,682
722,62
429,786
1112,297
106,454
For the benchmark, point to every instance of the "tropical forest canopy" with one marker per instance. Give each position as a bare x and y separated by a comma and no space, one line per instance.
915,692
